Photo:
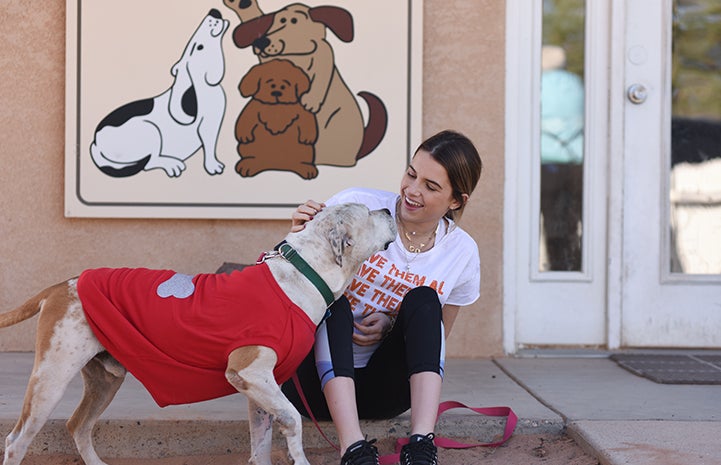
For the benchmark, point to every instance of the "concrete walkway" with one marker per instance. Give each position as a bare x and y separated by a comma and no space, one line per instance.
618,417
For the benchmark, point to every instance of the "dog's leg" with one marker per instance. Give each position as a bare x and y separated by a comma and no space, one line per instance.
40,399
103,376
250,371
46,387
209,128
261,434
65,344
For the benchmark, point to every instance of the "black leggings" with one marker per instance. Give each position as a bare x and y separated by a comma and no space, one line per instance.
414,345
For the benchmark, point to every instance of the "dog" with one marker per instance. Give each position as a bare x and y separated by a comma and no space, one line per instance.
297,33
164,131
274,131
85,325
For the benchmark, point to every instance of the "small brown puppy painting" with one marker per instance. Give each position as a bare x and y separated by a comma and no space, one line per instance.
274,131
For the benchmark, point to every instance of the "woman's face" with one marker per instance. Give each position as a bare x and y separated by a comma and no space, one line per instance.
426,193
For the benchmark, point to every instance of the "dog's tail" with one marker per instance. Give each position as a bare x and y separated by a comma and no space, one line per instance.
375,130
125,171
29,309
117,171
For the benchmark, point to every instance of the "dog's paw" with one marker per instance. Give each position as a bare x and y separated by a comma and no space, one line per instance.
172,166
307,140
214,166
242,4
174,171
246,168
307,172
310,103
245,138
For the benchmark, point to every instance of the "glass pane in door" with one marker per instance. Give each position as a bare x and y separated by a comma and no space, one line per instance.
695,171
562,127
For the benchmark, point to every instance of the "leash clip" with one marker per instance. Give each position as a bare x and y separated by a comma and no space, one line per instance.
267,255
283,249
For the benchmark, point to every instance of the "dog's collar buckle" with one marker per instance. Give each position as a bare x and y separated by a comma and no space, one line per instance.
288,252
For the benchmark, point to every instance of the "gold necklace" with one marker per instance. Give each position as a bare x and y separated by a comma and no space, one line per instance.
417,249
411,245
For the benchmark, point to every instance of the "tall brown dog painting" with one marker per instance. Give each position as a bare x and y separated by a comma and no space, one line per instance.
297,33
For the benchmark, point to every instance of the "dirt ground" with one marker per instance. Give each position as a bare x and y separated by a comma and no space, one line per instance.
525,449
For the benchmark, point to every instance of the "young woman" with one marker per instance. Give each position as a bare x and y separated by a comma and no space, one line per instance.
382,350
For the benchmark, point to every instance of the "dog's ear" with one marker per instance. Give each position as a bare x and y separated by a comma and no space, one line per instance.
336,19
246,33
339,239
250,84
183,104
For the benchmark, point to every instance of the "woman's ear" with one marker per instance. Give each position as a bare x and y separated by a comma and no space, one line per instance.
455,204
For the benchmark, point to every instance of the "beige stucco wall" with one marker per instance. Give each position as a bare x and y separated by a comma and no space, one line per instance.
463,89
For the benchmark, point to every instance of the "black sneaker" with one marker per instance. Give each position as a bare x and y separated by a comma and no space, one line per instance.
420,451
361,453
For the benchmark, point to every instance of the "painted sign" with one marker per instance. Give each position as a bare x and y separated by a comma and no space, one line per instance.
236,108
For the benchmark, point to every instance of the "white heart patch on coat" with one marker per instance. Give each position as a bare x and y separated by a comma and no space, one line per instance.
179,286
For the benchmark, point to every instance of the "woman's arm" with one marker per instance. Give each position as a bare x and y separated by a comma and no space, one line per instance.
449,316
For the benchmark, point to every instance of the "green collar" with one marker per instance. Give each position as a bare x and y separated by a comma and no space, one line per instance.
287,251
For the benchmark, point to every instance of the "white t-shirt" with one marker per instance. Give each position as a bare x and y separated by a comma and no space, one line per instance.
452,267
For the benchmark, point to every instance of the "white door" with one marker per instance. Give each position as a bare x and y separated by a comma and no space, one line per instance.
647,266
555,210
671,291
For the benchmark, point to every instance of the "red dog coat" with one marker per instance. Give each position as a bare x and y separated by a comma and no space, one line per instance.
174,332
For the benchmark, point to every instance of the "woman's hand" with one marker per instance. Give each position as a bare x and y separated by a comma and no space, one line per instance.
304,213
373,329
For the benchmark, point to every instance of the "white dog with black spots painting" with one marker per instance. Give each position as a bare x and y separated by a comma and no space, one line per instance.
164,131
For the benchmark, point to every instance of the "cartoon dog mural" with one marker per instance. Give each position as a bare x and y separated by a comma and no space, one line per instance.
297,33
274,131
164,131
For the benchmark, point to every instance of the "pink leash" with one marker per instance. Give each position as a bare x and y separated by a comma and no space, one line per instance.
446,443
296,383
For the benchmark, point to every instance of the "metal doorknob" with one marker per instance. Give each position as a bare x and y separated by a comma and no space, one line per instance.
637,93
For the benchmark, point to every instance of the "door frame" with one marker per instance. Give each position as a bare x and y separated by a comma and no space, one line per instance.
616,173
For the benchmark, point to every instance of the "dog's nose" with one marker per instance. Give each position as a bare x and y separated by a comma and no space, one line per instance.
276,93
261,42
